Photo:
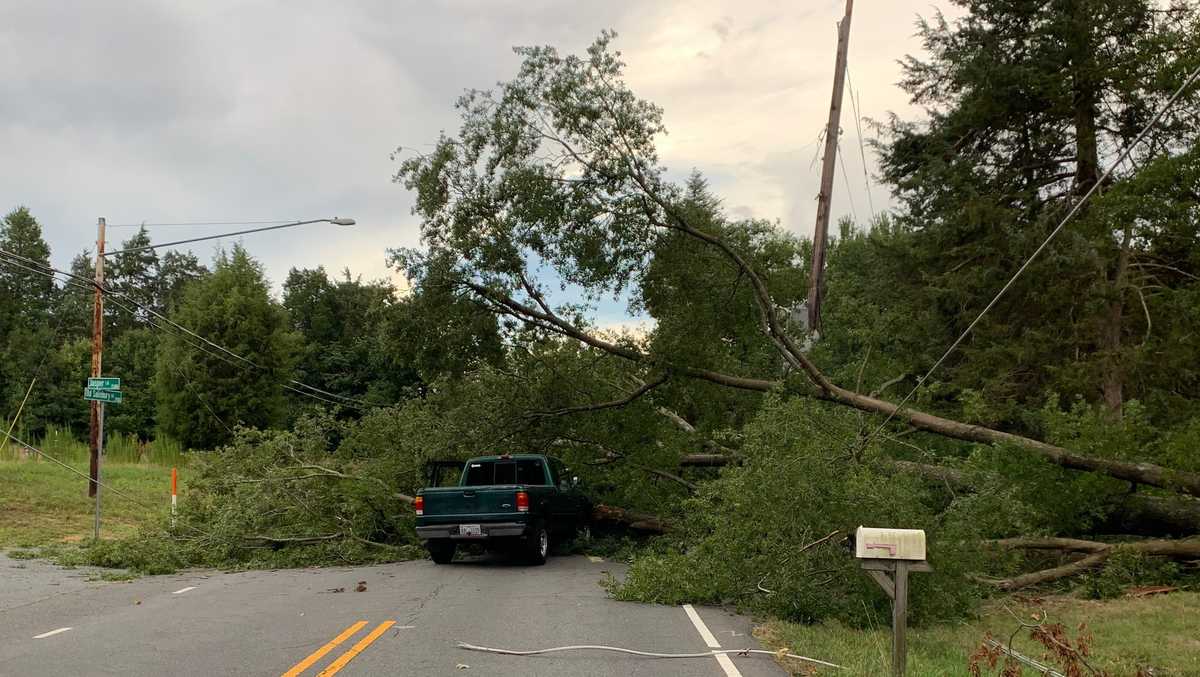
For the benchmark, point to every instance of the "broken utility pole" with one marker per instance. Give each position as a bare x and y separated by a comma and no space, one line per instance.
816,285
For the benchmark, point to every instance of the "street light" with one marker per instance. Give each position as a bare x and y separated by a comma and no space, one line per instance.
337,221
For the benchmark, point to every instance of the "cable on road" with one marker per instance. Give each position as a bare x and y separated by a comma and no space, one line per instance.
648,654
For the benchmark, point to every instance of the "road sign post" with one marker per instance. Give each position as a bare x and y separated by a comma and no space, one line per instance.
101,390
99,455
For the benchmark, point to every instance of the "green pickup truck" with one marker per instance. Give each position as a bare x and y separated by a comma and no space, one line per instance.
517,501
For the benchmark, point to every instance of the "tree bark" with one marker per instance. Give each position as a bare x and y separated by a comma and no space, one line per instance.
1133,513
633,520
1099,552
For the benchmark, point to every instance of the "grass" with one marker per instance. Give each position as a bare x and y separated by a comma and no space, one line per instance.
45,504
63,445
1162,632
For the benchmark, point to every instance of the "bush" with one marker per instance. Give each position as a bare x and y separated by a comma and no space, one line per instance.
326,492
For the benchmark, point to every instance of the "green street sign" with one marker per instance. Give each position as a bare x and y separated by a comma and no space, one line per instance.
105,383
99,395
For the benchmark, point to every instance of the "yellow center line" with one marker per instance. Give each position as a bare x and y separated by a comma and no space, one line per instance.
356,649
316,655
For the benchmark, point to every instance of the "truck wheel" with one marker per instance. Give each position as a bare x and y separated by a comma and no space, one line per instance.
442,551
539,546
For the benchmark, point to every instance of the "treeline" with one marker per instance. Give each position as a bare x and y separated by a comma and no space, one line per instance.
202,349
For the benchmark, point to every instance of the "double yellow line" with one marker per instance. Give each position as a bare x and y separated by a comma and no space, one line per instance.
345,658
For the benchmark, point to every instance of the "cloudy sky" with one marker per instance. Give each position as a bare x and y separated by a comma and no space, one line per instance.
163,111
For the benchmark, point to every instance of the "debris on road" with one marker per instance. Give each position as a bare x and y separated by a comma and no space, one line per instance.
362,587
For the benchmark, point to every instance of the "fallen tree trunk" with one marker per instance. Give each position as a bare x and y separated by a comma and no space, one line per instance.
1133,513
607,514
1142,514
1099,553
279,542
543,318
708,460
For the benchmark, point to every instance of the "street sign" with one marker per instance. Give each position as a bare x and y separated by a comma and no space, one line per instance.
105,383
109,396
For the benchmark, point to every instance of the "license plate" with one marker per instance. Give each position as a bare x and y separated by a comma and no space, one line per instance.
469,530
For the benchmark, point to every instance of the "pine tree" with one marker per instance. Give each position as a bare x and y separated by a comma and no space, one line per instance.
134,275
1025,101
25,296
200,395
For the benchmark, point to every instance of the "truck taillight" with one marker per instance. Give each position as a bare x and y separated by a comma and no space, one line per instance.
522,501
419,505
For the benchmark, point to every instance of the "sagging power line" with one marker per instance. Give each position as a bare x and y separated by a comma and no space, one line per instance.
164,323
1125,153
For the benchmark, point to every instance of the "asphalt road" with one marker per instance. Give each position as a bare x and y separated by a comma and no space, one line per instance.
407,621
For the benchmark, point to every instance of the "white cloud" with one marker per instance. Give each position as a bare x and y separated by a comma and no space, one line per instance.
162,111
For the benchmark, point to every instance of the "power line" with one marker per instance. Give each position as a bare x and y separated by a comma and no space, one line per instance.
846,178
855,104
1045,243
106,487
291,384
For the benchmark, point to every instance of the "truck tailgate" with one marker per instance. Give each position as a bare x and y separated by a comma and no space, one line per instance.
479,504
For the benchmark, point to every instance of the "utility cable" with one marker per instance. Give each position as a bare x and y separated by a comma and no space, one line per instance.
648,654
856,104
846,178
290,384
1128,150
103,485
185,335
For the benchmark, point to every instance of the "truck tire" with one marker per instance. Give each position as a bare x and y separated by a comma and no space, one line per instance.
538,547
442,551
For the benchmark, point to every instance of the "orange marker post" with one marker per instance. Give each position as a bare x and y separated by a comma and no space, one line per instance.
174,484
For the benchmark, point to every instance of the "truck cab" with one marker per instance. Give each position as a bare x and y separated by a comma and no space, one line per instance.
520,502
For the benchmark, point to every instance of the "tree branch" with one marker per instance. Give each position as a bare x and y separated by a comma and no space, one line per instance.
611,404
1141,473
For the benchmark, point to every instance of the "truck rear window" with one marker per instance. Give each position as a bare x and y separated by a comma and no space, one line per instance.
520,471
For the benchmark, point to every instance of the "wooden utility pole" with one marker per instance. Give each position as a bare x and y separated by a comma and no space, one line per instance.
816,285
97,424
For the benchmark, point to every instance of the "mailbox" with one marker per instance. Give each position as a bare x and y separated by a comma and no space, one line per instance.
899,544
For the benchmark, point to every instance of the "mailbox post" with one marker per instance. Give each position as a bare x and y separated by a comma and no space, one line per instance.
896,552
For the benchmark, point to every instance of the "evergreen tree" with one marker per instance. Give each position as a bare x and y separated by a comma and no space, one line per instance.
25,296
73,309
1025,99
201,396
176,271
134,275
132,357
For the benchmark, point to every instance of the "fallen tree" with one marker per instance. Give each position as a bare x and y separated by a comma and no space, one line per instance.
1098,553
572,174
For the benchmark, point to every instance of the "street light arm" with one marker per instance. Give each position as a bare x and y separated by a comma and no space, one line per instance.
337,221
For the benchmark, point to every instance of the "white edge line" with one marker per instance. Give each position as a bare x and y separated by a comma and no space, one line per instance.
44,635
180,592
723,660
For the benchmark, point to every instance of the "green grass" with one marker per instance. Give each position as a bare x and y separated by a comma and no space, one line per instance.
63,445
44,504
1162,632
